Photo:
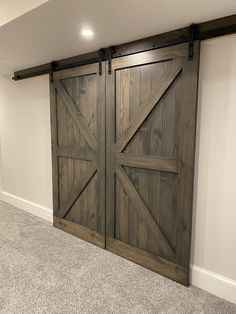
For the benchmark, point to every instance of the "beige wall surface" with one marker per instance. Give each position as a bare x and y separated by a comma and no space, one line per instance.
214,232
25,139
26,157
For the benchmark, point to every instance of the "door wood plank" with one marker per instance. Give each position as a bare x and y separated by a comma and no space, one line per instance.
75,152
54,143
79,231
147,57
82,70
122,114
101,165
149,260
110,135
149,103
148,162
66,205
187,152
144,212
78,149
76,115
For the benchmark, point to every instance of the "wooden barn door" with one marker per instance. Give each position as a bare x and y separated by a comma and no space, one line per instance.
123,152
150,139
78,149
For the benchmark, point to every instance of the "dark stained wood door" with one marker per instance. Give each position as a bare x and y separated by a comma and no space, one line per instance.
150,138
123,156
78,151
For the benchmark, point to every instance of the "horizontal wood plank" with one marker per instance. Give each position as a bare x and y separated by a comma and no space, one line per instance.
147,162
78,71
149,260
151,56
75,152
79,231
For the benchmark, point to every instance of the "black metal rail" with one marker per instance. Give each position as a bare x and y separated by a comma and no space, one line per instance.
206,30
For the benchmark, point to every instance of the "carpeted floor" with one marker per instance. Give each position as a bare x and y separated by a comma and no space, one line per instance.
44,270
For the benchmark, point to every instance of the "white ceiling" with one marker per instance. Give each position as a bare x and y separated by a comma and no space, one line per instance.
10,9
52,30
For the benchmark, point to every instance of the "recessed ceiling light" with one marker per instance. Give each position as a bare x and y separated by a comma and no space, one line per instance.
87,33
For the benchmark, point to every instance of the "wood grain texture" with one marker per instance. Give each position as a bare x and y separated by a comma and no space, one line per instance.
101,154
80,127
149,103
76,115
187,153
145,113
123,148
78,189
54,143
79,231
75,72
132,87
147,162
144,212
122,206
157,55
110,137
148,260
75,152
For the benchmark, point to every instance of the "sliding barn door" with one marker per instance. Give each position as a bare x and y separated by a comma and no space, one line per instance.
78,149
150,138
123,152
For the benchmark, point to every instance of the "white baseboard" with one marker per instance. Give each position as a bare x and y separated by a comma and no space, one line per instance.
30,207
216,284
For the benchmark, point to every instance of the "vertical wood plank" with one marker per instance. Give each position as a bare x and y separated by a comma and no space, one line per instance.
101,153
54,143
143,145
122,121
169,147
187,150
110,139
155,125
135,100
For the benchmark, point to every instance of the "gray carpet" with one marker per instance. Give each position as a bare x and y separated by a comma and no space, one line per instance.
44,270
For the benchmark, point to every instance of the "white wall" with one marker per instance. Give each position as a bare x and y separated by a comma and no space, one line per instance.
214,232
26,161
215,184
25,141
